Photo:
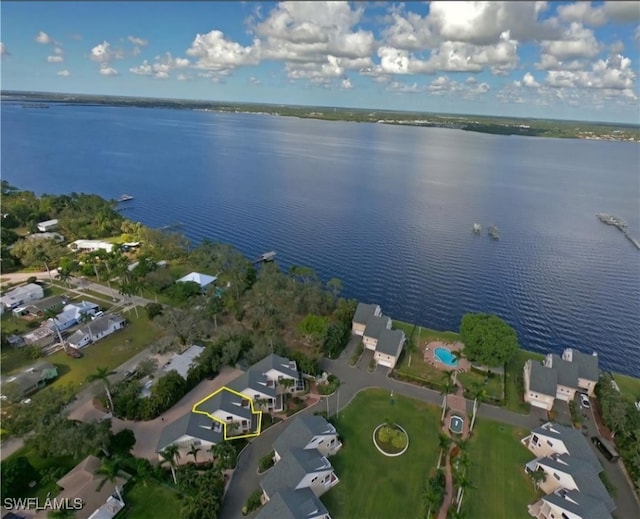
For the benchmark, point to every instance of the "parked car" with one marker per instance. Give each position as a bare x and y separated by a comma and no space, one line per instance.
584,401
72,352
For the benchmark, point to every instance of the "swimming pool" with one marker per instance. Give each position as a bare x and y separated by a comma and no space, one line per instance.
456,424
445,356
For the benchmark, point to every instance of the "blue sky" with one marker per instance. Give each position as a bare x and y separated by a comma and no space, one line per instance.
563,60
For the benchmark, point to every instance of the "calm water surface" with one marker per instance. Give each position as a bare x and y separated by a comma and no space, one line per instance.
387,209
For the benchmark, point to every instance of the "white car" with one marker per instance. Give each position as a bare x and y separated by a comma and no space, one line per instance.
584,400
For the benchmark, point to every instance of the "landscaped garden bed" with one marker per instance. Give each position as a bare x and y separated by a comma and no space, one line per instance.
391,439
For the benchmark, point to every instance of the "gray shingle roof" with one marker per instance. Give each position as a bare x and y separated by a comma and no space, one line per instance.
274,361
191,424
293,504
301,431
567,371
577,445
375,325
587,365
543,380
101,324
291,469
584,506
363,312
225,401
390,342
29,377
255,380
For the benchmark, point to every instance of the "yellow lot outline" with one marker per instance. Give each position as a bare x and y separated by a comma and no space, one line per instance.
237,393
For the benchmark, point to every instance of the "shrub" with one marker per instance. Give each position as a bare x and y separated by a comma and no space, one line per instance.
266,462
253,503
153,310
356,354
31,279
398,440
384,434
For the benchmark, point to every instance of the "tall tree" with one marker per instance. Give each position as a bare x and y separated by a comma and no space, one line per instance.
171,455
193,451
488,339
103,374
110,471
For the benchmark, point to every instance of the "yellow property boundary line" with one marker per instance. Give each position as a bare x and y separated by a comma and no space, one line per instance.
244,397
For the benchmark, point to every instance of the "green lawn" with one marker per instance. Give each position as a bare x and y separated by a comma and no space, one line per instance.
492,385
109,352
629,387
154,500
372,485
500,488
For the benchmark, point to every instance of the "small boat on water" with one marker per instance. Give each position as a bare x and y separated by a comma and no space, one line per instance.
477,228
124,198
493,232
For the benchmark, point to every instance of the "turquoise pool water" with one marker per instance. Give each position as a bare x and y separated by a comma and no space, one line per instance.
456,424
445,356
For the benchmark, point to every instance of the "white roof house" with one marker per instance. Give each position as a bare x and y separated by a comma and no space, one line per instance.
204,280
47,225
90,245
181,363
21,295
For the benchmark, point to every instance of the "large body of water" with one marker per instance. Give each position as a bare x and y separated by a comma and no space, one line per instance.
387,209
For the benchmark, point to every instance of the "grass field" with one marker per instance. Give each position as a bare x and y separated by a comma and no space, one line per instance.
500,488
109,352
372,485
154,500
629,387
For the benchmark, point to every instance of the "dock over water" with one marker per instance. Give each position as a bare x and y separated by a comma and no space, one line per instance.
619,224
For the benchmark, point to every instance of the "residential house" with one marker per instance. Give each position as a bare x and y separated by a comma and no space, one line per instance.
181,363
360,318
47,225
389,347
204,280
22,295
90,245
301,463
46,236
39,308
373,329
559,377
96,330
294,504
100,500
72,314
308,432
40,337
205,424
572,484
31,379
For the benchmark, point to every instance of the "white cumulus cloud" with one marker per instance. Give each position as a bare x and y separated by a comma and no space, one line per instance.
214,52
63,73
45,39
529,81
55,59
103,53
138,42
162,66
3,50
107,70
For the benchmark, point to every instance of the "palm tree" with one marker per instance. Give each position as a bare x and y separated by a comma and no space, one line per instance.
110,470
61,513
225,455
103,374
193,451
64,275
171,455
478,391
538,477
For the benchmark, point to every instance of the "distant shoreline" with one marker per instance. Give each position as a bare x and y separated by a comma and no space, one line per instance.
527,127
